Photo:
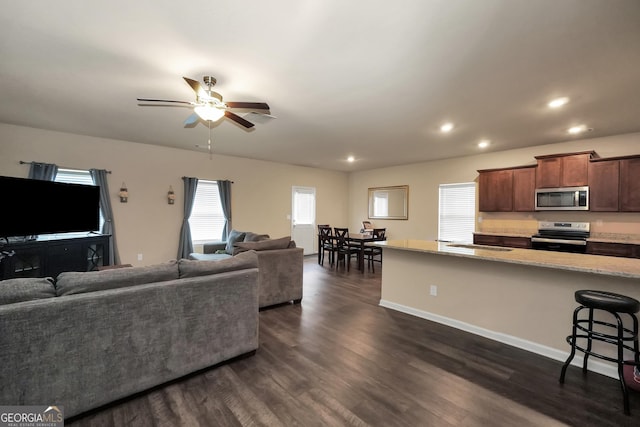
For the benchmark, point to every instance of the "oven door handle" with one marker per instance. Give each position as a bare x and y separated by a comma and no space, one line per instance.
559,241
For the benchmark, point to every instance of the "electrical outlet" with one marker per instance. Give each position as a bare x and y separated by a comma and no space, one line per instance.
139,257
433,290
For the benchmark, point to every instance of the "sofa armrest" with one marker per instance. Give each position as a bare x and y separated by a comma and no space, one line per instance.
280,275
212,247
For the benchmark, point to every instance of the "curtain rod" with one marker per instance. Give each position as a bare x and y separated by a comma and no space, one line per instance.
63,167
208,179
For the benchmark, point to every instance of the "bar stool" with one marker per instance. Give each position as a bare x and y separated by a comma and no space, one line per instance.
616,333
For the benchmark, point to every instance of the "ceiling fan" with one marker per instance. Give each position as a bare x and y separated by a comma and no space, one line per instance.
210,107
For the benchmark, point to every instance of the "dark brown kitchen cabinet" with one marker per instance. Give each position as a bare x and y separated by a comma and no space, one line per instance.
495,190
506,241
630,184
613,249
524,189
563,170
604,181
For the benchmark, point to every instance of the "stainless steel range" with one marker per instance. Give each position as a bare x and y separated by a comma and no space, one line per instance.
561,236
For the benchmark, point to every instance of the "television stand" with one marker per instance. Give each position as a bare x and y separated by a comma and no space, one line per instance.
19,239
50,255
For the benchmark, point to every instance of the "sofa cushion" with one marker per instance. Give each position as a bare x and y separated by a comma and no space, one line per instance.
194,268
234,236
26,289
263,245
72,282
254,237
208,257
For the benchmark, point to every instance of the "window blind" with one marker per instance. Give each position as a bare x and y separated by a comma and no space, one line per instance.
206,220
74,176
457,212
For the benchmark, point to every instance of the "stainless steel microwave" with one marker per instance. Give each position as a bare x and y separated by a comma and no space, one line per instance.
562,199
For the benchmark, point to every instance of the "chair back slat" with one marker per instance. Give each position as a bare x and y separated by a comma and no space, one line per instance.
341,235
325,231
379,233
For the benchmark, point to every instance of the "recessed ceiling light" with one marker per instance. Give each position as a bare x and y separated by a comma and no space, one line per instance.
577,129
484,143
351,159
446,127
558,102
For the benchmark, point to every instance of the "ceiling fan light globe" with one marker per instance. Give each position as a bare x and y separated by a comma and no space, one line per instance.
209,113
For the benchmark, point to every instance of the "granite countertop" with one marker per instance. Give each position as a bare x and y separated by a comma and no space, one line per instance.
596,264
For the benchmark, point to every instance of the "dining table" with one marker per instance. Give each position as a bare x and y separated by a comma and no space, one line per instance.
362,239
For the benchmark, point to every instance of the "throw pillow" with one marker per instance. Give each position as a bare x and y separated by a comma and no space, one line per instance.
234,236
254,237
73,282
263,245
194,268
26,289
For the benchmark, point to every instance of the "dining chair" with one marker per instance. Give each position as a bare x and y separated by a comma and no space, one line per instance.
343,249
326,243
374,253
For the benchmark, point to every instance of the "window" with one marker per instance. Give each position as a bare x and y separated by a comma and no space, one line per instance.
74,176
206,220
77,176
457,215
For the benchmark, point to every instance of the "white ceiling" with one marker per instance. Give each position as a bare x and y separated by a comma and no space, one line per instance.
368,78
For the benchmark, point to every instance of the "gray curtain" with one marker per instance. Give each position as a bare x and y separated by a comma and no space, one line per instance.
43,171
224,188
185,246
99,177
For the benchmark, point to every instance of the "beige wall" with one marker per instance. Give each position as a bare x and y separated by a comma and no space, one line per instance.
147,224
424,178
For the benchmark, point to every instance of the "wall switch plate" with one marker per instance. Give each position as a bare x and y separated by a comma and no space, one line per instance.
139,257
433,290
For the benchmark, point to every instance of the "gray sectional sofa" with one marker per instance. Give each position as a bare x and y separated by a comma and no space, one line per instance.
280,264
89,339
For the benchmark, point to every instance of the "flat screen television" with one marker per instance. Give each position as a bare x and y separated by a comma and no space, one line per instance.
31,207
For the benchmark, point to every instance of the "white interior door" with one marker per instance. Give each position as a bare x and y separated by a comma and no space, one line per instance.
303,218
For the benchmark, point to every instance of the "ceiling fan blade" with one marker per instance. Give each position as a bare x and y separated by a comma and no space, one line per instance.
249,105
193,118
236,118
260,118
195,85
164,100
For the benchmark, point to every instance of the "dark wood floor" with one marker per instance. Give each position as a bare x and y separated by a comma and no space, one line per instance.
340,359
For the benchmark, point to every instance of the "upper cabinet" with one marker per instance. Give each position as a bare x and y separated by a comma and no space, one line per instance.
614,182
604,181
495,190
507,190
563,170
524,189
630,184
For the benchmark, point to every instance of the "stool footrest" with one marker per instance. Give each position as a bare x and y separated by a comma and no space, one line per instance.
601,356
601,336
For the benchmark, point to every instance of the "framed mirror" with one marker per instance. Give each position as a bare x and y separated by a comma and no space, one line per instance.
389,202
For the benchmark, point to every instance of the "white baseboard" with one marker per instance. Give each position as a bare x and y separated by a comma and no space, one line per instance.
610,370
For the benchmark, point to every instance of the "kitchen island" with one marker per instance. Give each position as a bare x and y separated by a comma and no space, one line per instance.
521,297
